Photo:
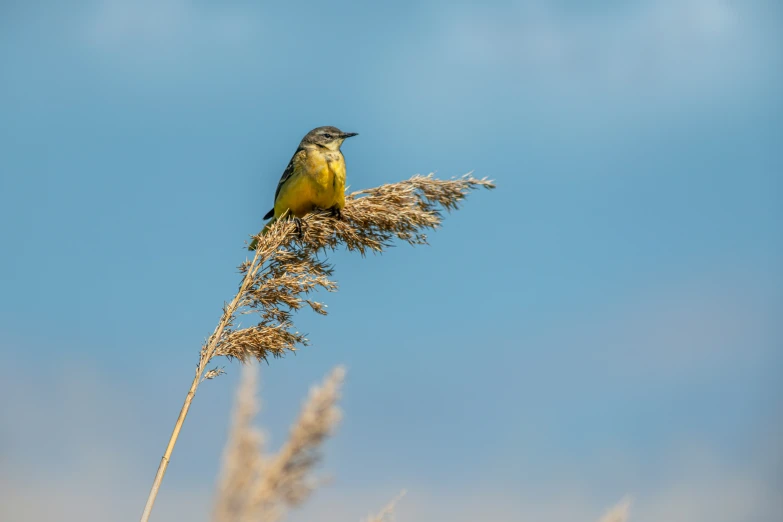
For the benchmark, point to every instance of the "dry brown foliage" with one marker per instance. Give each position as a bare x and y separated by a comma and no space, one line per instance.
258,487
286,269
277,281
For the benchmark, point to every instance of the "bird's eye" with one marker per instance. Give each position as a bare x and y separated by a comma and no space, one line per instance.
328,136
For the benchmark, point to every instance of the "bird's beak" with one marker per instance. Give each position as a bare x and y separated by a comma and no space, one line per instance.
349,134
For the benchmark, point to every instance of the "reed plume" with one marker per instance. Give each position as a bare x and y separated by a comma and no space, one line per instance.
260,488
286,269
387,513
619,513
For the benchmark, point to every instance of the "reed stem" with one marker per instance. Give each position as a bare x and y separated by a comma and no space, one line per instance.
206,356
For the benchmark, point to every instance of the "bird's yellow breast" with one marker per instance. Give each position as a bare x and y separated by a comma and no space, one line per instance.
318,181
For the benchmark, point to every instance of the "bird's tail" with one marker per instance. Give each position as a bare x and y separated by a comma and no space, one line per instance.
254,243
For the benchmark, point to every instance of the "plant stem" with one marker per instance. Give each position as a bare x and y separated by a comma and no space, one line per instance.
164,461
206,356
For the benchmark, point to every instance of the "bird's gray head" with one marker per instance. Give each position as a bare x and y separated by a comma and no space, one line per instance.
326,137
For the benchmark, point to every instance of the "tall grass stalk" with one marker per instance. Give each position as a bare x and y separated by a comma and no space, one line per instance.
286,269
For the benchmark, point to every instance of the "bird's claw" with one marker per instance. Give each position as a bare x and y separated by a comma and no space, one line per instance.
337,213
299,227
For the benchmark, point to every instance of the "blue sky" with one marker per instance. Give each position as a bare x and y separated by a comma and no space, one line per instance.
606,322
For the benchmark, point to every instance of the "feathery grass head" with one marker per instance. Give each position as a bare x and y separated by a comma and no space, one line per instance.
258,487
286,268
618,513
387,513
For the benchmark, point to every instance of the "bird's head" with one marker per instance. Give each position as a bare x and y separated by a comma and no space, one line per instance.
326,137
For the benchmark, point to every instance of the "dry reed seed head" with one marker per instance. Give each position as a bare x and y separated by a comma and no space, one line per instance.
318,419
400,209
244,266
286,268
317,307
286,279
260,342
283,480
214,372
387,513
618,513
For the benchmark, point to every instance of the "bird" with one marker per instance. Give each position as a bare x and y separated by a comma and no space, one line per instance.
314,178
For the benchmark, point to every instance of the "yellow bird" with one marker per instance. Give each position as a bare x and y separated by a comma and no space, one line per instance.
314,178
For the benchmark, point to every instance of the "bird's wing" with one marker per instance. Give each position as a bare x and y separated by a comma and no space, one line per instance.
288,173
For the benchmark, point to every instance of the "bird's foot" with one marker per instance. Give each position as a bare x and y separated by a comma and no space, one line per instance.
337,213
299,227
